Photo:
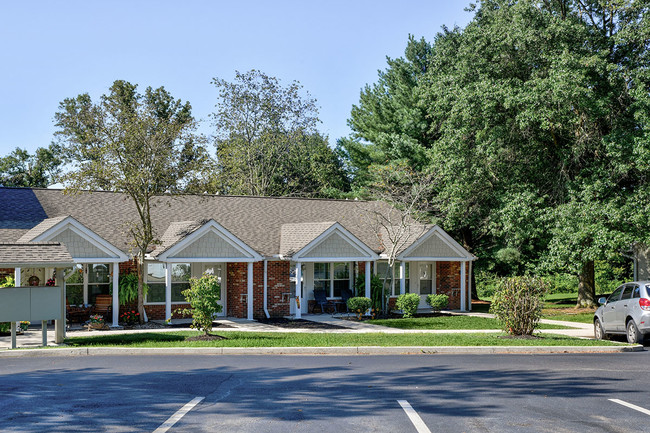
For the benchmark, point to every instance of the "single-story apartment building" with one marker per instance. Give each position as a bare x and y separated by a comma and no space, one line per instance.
270,253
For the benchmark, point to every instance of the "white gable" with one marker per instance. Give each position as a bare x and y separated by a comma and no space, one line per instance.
78,246
435,246
211,245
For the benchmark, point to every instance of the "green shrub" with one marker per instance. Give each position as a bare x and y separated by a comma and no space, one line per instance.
359,305
5,327
438,302
486,284
408,303
375,289
517,304
203,296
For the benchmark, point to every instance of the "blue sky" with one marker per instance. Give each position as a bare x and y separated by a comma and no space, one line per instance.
57,49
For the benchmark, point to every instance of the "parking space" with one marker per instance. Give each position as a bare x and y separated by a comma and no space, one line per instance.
509,393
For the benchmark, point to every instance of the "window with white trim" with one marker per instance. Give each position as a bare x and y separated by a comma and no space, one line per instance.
156,286
99,280
426,279
340,278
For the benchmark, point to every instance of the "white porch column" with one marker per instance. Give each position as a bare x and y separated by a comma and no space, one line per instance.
402,278
116,294
298,290
367,294
168,291
17,277
249,296
59,325
469,300
463,295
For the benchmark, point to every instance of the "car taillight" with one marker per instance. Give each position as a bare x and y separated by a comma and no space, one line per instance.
644,303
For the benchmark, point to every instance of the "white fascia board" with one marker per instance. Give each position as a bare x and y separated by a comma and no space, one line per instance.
448,240
220,230
346,235
83,231
98,260
207,260
333,259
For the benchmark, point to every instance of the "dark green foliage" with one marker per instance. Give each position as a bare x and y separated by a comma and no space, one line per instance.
267,141
517,304
408,303
22,169
438,302
359,305
203,296
375,289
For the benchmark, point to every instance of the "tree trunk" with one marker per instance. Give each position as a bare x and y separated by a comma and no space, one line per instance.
587,286
140,267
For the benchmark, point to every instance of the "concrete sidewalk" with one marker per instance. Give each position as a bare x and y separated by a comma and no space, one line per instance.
32,337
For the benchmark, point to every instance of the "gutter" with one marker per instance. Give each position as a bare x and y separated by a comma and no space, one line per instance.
266,310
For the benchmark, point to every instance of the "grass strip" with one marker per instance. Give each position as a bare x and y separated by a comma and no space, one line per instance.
449,322
292,339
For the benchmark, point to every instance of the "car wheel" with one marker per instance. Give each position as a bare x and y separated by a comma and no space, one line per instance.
633,334
599,331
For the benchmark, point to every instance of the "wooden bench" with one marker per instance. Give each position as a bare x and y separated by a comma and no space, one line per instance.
103,306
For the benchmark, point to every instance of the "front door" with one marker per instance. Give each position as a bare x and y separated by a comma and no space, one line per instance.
218,269
426,273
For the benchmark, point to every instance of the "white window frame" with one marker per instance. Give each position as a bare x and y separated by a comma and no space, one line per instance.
146,274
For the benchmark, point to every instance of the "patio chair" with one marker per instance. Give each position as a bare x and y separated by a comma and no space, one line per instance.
345,295
321,300
103,306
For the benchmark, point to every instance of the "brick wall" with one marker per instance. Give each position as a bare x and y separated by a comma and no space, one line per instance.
130,267
448,282
237,289
157,312
279,288
278,285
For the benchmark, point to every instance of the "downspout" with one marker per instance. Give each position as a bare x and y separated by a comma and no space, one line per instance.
266,310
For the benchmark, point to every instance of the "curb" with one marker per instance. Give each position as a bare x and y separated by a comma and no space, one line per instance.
341,350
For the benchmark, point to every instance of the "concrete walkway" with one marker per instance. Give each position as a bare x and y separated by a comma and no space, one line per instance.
32,337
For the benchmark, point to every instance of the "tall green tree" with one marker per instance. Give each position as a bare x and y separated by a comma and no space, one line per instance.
22,169
143,145
535,120
267,141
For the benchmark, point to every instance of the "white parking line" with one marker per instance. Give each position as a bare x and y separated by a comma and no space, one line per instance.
420,426
630,405
180,413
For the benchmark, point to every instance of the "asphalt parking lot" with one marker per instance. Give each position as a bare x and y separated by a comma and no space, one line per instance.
448,393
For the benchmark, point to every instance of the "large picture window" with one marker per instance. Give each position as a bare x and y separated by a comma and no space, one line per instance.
74,286
87,281
332,277
99,281
155,279
393,286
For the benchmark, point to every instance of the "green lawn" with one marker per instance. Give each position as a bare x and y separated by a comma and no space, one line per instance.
448,322
288,339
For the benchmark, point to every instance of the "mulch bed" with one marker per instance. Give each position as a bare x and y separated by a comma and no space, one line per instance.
282,322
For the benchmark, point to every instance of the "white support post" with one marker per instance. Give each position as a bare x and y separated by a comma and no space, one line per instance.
367,294
13,335
249,296
470,287
85,275
59,325
44,332
463,285
168,291
402,278
298,290
116,294
17,277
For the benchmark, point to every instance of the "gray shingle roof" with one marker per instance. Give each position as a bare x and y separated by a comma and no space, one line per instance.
295,237
34,254
176,232
41,228
257,221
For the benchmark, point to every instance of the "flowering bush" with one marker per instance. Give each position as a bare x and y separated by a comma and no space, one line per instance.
97,318
359,305
24,325
130,317
50,282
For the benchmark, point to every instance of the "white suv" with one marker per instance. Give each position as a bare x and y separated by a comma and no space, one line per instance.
625,311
